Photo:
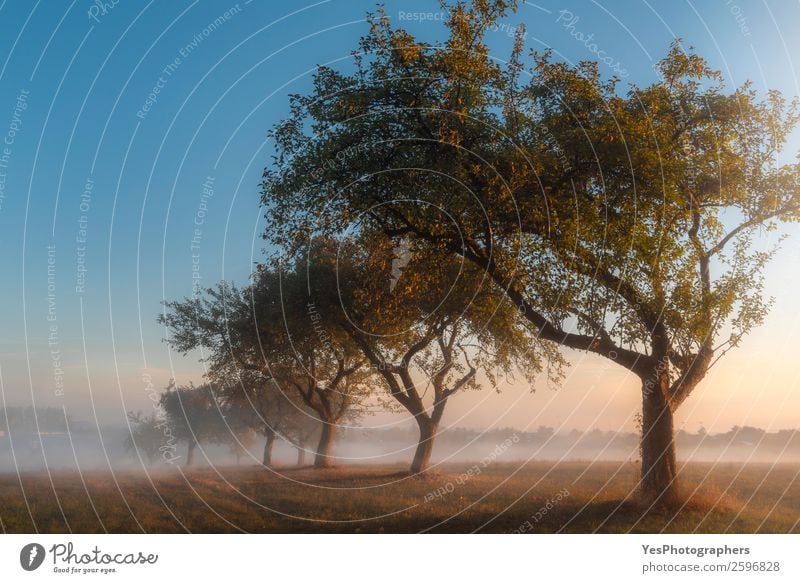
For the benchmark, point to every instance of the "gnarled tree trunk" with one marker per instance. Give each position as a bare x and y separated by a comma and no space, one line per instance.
301,455
659,483
323,458
427,435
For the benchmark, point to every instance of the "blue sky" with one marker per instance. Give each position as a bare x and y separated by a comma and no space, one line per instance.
184,168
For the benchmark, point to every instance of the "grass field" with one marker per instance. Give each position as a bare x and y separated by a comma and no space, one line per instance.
534,497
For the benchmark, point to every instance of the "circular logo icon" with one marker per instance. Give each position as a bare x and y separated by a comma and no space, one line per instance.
31,556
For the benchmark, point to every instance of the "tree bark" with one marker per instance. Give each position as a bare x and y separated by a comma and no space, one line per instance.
266,460
323,458
659,484
301,455
190,452
427,434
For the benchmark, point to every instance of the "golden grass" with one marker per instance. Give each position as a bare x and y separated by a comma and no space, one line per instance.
595,497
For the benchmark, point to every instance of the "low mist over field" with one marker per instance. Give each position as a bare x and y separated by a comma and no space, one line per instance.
84,447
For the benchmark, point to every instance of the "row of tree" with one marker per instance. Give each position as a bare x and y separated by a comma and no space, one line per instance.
517,208
221,415
328,336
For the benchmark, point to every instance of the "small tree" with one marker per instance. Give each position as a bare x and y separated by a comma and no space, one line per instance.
194,416
145,436
271,331
240,443
267,410
238,423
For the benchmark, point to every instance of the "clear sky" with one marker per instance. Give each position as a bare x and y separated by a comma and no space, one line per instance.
134,140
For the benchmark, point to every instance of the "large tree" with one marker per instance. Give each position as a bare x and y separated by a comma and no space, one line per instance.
620,221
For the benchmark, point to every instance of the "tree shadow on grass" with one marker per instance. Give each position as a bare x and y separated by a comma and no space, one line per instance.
339,474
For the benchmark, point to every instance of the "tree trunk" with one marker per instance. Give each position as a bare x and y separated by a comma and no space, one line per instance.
659,483
323,457
190,452
427,433
266,460
301,455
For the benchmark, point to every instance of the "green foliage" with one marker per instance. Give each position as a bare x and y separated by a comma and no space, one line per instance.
438,317
623,222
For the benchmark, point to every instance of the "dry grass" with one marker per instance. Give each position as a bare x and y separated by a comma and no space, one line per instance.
501,498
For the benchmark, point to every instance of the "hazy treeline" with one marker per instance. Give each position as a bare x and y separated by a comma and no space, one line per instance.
233,416
33,419
738,444
89,448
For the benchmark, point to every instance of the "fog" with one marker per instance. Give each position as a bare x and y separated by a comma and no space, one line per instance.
90,449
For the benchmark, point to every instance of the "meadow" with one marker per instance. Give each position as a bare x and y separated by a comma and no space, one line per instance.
532,497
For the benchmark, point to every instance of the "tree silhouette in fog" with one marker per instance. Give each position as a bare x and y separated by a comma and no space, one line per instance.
271,332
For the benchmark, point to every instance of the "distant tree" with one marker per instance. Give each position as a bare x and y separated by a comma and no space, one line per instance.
303,430
544,433
34,419
145,435
240,443
623,223
271,331
266,409
194,416
238,423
